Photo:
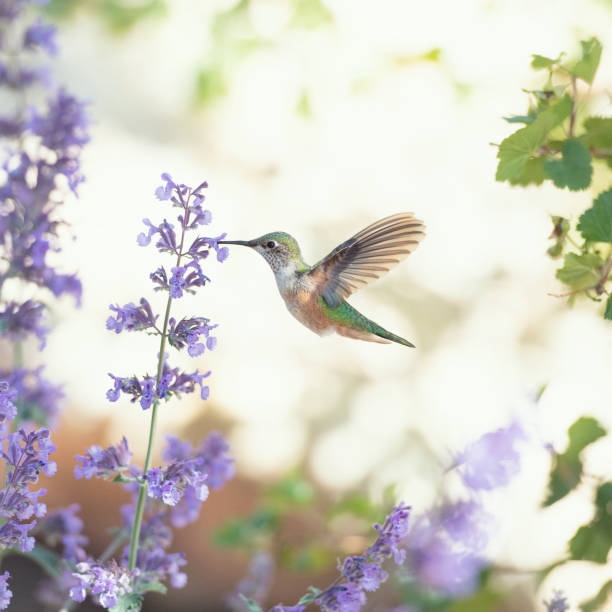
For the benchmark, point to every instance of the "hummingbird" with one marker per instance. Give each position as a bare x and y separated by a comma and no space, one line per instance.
316,295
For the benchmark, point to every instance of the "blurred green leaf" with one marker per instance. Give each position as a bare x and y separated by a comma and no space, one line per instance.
599,600
252,606
310,596
567,467
596,222
608,310
210,85
357,504
128,603
247,532
532,173
598,132
580,271
152,586
484,600
291,491
586,67
592,542
561,227
515,150
311,14
574,169
313,557
540,61
48,560
303,107
520,118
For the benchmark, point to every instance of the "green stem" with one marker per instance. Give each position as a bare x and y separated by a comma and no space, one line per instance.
142,493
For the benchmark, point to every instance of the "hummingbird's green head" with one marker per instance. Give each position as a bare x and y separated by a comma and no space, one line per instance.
279,249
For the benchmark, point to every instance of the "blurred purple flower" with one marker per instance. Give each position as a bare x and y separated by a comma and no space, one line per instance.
445,546
492,461
256,584
65,527
40,35
558,603
5,592
18,321
169,484
103,463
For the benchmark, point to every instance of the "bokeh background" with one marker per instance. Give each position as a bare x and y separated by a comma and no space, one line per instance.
317,117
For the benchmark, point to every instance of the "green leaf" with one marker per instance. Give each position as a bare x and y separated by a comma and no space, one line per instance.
291,491
247,532
357,504
252,606
48,561
532,173
309,597
210,85
598,132
515,150
567,467
592,542
608,310
128,603
310,14
483,600
574,169
152,586
586,67
599,600
520,118
580,271
596,222
540,61
312,557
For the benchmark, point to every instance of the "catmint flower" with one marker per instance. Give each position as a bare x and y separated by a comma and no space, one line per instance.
359,571
170,483
131,317
558,603
341,598
445,547
18,321
5,592
103,463
40,35
213,460
105,582
8,410
392,533
38,400
492,461
65,527
256,584
189,332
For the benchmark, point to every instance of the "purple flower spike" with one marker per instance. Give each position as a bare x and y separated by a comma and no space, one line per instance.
170,484
64,526
103,463
492,461
105,582
558,603
131,317
5,592
40,36
18,321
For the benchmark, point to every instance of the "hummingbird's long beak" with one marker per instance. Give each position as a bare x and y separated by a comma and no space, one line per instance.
240,242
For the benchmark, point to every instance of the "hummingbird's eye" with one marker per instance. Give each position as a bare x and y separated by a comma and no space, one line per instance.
271,244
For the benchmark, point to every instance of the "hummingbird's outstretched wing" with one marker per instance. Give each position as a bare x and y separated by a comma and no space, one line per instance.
367,256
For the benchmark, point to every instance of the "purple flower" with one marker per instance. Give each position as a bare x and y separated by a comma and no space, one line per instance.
18,321
169,484
492,461
281,608
40,35
65,527
103,463
105,582
188,332
5,592
256,584
38,400
177,282
445,546
341,598
131,317
392,533
558,603
8,410
212,459
368,576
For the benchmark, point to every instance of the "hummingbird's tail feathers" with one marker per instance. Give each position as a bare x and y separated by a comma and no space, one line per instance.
383,333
